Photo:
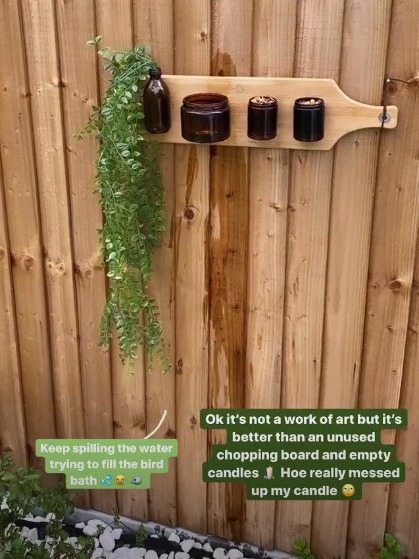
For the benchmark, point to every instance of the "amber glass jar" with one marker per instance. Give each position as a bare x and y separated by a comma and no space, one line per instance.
156,100
262,116
205,118
309,119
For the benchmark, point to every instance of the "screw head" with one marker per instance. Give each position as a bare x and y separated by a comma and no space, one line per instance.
384,118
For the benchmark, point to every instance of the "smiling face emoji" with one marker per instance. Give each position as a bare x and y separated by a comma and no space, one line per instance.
348,490
120,479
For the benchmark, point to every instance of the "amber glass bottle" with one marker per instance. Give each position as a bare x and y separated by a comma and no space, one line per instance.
156,104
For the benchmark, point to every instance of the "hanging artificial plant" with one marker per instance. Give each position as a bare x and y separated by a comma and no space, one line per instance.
129,182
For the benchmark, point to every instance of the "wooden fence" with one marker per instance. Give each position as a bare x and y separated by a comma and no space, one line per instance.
291,280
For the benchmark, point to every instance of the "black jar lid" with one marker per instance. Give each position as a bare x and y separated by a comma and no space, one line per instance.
205,101
155,73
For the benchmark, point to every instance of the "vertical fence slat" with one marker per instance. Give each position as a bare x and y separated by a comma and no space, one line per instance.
361,77
393,242
80,90
228,252
44,80
192,56
12,421
153,25
273,55
21,204
114,24
402,520
318,44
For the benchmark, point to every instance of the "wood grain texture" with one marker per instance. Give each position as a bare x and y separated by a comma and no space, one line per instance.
79,94
154,25
393,241
318,41
342,114
361,75
402,519
192,54
44,80
342,241
231,53
273,54
114,23
12,420
20,197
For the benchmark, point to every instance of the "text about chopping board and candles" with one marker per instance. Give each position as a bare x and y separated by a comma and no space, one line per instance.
306,454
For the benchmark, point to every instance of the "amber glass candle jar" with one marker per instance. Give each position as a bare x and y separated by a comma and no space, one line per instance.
262,116
309,119
205,118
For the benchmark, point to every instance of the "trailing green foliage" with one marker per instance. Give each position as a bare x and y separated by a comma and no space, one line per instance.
20,493
131,190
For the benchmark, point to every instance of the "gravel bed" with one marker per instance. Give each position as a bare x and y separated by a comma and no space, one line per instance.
118,541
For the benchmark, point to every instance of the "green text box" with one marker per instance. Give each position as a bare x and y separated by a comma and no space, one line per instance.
307,454
107,463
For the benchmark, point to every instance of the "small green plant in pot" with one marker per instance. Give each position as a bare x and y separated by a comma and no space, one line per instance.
130,185
20,493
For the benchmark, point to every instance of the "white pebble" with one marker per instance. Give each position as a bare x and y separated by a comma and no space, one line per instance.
106,541
173,538
97,553
116,533
50,516
171,555
198,545
38,519
33,535
109,555
121,553
181,555
235,554
136,553
164,556
187,545
107,530
219,553
80,525
96,522
90,530
154,536
25,531
207,547
74,542
151,554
